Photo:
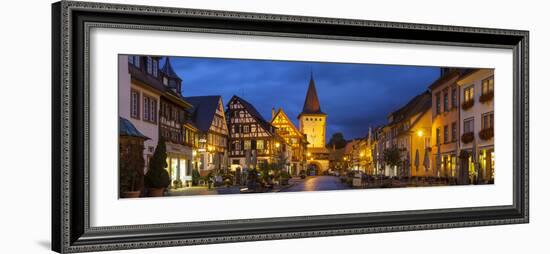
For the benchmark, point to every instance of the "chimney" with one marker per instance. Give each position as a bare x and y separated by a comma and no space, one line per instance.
272,113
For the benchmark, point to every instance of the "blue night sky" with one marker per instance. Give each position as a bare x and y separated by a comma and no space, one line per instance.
354,96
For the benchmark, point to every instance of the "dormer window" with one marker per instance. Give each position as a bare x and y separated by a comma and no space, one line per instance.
155,68
165,81
149,65
134,60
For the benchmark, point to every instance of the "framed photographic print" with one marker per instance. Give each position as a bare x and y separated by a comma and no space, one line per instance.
181,126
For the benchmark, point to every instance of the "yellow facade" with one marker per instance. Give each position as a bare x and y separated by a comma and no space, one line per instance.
420,133
314,127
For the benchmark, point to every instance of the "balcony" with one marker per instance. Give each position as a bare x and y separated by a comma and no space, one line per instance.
467,104
486,134
487,97
467,137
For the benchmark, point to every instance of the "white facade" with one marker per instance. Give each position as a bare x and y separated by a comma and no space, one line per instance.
476,112
482,116
125,87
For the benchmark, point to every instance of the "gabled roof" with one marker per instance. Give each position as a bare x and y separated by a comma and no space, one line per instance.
448,76
126,128
253,112
283,114
311,104
419,103
168,70
203,111
155,84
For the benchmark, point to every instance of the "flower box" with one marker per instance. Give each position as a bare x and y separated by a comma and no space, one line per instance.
486,134
467,104
467,137
486,97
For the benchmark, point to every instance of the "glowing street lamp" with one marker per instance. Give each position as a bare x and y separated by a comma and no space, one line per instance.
420,133
277,144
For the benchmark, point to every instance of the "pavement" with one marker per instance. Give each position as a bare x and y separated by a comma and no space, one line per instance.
203,190
317,183
311,183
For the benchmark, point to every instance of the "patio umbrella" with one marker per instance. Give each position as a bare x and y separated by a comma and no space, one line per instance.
224,161
438,159
409,164
254,159
417,159
247,158
426,161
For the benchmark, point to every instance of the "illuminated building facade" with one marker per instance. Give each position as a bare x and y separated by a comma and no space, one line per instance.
313,124
445,123
209,116
252,140
292,136
477,125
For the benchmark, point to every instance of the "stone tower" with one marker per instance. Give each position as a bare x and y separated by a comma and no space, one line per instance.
312,119
313,124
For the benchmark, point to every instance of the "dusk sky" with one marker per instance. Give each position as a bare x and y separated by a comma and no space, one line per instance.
354,96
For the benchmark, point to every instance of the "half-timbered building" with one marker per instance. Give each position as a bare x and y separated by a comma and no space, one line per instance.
209,116
252,140
292,136
154,104
176,125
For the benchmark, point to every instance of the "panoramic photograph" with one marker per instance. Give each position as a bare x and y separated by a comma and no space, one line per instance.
213,126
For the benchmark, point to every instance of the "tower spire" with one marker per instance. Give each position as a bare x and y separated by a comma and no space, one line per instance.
168,70
311,104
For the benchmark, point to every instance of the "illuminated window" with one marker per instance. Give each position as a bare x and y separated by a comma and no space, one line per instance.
469,93
247,145
260,144
487,85
487,120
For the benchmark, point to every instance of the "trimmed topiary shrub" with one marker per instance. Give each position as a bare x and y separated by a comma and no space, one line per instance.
157,176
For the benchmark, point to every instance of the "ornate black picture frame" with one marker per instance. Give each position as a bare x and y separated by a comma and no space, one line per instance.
71,22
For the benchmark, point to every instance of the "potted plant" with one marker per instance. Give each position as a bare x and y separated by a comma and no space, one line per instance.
486,97
467,137
285,176
157,178
131,167
178,184
486,134
195,177
130,190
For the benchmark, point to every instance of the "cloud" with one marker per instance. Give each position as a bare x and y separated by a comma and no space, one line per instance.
355,96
